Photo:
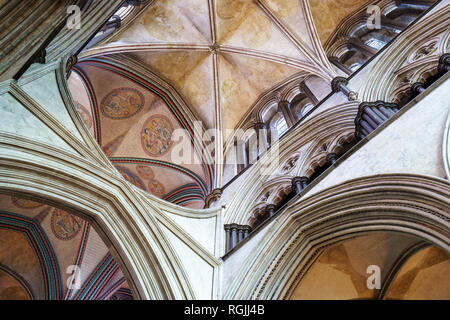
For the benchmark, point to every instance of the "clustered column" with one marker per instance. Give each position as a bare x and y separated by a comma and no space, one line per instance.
444,63
235,233
270,210
299,184
285,108
371,115
262,137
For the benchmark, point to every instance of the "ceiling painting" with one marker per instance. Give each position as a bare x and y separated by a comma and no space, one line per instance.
40,249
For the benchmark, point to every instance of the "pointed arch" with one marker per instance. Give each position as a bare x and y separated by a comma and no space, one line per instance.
409,204
40,243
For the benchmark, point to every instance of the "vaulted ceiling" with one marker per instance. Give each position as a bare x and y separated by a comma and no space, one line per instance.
409,269
47,253
329,13
221,55
181,61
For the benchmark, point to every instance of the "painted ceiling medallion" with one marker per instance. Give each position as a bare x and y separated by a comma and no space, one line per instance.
156,135
131,177
84,113
122,103
64,225
156,188
25,204
145,172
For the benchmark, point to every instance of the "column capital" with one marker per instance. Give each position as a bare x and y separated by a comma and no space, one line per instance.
417,87
353,96
260,125
212,197
73,59
304,179
296,179
337,82
444,63
332,157
231,226
244,227
115,21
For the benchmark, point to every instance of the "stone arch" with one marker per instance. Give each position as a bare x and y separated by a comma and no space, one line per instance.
410,204
114,207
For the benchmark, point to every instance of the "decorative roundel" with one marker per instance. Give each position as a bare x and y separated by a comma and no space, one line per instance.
156,135
131,177
145,172
84,113
25,204
122,103
156,188
64,225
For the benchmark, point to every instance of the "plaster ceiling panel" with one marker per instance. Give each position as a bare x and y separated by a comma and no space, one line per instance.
380,249
17,255
424,276
94,252
130,139
245,25
27,208
82,102
341,271
73,241
139,127
191,74
170,21
243,79
290,13
328,14
154,179
11,289
63,230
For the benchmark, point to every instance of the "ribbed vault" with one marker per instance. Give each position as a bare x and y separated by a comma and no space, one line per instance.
218,57
47,253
